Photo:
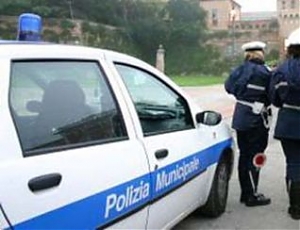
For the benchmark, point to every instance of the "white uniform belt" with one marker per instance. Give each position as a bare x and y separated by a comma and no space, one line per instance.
257,107
291,106
250,104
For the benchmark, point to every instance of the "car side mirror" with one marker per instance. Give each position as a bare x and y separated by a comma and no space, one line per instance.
210,118
34,106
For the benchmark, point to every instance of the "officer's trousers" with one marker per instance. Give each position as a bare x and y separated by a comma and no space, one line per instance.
250,142
291,149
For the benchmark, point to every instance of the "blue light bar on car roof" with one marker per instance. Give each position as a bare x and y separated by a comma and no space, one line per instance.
30,27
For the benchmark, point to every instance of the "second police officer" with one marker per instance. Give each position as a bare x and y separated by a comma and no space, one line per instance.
249,84
285,94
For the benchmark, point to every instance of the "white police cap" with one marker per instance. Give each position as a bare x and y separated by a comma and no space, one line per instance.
294,38
255,45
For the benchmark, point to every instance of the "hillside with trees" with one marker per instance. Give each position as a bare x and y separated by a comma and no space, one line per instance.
136,27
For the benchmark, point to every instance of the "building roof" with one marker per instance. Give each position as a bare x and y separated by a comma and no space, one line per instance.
236,3
254,16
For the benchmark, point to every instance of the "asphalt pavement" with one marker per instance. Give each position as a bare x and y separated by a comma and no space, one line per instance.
272,182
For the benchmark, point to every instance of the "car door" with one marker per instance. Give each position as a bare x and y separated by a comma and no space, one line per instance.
78,163
177,148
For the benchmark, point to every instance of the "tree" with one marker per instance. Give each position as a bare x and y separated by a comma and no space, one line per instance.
186,34
187,21
143,25
135,26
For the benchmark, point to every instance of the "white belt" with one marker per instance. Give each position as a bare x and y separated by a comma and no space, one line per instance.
295,107
257,107
256,87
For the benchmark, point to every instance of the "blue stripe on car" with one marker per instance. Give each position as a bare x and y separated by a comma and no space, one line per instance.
107,206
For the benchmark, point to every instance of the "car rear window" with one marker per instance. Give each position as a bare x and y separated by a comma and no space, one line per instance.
63,104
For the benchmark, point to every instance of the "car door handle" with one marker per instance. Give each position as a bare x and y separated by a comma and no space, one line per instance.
44,182
161,153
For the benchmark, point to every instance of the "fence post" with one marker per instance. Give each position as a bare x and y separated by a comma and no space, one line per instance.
160,59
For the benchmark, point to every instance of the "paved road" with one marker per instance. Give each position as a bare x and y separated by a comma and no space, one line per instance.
238,216
213,98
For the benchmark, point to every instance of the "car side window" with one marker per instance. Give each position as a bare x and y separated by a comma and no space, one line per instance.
58,105
160,109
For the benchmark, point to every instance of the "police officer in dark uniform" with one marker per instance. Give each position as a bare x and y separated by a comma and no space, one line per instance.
249,84
285,94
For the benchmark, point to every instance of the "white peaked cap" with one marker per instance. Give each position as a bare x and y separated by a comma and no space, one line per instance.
294,38
255,45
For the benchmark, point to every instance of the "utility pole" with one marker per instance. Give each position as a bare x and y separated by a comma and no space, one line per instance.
232,20
71,9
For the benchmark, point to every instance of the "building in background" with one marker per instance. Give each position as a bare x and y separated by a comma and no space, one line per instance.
220,13
288,12
270,27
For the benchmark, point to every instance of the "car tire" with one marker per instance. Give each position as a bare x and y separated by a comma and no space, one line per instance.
217,200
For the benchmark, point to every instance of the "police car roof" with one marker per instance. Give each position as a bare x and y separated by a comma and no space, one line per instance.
46,50
46,47
6,42
15,49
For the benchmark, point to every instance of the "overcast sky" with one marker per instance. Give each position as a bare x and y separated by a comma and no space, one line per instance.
257,5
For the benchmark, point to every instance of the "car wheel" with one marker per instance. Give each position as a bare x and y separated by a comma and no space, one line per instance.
217,200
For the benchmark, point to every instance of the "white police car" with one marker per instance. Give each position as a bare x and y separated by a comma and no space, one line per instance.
92,139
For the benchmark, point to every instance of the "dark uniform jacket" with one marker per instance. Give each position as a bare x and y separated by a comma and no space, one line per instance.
249,83
285,94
